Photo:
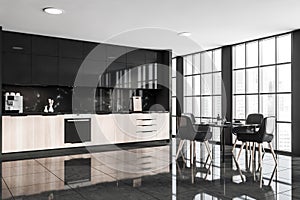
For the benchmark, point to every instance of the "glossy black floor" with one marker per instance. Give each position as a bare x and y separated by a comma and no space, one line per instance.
150,173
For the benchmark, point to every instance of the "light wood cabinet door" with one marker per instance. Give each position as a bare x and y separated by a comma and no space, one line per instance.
17,134
48,132
103,130
163,126
125,126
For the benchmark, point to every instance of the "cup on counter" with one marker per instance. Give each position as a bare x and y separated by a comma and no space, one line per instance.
12,94
18,94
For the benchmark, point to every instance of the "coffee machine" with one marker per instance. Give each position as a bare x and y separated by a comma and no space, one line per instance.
13,102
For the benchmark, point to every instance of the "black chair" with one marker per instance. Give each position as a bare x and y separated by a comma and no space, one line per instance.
254,118
189,131
264,134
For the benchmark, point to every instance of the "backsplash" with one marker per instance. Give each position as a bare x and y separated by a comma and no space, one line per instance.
85,100
35,98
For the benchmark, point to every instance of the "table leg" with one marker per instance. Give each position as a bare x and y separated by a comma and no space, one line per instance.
191,152
223,144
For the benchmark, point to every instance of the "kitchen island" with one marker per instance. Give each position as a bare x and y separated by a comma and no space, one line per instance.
41,132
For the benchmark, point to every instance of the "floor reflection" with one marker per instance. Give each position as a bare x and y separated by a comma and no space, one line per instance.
150,173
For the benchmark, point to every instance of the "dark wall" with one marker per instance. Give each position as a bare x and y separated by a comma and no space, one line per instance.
227,89
295,92
163,97
179,85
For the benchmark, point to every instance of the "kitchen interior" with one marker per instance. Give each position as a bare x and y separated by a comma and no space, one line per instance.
63,93
149,100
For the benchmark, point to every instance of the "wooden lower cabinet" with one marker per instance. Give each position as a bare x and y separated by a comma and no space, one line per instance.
103,130
141,127
36,132
30,133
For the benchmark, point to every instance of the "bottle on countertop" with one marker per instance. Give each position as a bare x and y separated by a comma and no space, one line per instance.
219,120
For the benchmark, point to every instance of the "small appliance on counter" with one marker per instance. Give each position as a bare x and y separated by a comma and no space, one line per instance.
13,102
137,104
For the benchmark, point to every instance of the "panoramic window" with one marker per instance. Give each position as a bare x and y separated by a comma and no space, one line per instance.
202,86
262,83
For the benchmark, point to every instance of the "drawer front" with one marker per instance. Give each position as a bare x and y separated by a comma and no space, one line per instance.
147,128
145,122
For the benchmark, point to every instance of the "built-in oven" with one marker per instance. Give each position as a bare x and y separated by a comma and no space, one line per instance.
77,130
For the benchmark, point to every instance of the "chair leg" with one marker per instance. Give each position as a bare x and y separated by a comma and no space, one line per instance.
181,143
260,163
252,157
208,171
243,144
234,145
263,149
246,153
209,152
273,153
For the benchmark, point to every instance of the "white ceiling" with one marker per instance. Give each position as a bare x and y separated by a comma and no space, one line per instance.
154,23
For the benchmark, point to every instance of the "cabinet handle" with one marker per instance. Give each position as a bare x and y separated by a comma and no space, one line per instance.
146,131
146,125
146,119
17,48
78,120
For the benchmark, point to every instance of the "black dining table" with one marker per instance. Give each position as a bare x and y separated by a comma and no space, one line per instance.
230,125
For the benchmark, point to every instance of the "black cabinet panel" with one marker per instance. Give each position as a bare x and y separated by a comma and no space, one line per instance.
44,70
116,53
16,68
44,46
91,71
116,66
137,56
71,48
151,56
94,51
16,42
68,69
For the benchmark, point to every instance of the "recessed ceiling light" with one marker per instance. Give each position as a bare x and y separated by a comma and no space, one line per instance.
185,34
53,11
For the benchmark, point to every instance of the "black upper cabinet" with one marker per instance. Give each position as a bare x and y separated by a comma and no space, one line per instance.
71,48
116,53
16,68
16,42
94,51
68,68
44,46
163,57
136,56
151,56
44,70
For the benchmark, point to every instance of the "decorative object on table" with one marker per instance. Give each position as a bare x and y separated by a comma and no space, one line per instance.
46,109
137,103
51,102
219,120
224,120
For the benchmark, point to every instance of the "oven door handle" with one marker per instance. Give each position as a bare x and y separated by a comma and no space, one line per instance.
78,120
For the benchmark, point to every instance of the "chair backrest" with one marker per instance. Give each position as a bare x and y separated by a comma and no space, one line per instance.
185,128
267,126
191,116
254,118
